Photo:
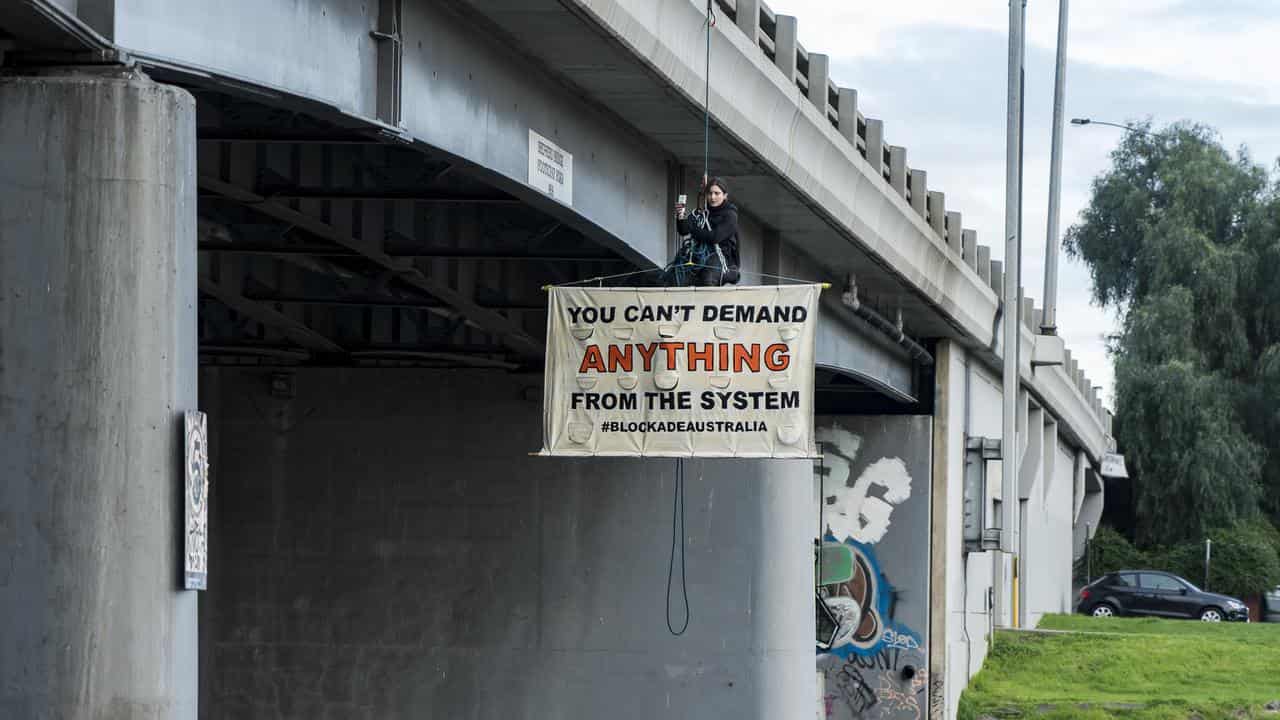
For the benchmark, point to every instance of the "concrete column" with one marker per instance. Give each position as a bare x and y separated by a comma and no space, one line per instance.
938,213
819,76
749,18
785,41
969,239
875,145
948,427
847,111
955,224
898,169
98,317
983,263
920,192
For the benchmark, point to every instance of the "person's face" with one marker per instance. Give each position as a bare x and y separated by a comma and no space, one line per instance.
715,196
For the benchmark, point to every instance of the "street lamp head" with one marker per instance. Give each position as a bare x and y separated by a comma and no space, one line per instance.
1080,121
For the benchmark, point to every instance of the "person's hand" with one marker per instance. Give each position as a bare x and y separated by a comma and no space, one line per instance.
680,211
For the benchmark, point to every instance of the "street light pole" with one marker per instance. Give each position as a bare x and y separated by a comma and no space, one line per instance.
1091,121
1012,278
1048,323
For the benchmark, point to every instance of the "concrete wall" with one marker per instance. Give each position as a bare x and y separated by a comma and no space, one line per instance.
970,397
976,413
874,488
384,548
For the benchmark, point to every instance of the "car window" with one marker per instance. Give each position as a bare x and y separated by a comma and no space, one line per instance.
1125,580
1152,581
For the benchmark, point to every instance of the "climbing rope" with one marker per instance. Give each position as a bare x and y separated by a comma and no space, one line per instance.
706,101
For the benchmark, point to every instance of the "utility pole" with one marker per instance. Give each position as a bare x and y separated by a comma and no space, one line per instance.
1208,551
1048,323
1012,278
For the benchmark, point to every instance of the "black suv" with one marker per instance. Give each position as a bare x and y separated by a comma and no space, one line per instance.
1150,592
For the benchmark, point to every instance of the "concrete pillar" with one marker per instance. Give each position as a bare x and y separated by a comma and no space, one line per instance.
785,41
749,18
969,239
948,462
920,192
898,169
938,213
847,111
819,76
98,317
955,224
875,145
983,263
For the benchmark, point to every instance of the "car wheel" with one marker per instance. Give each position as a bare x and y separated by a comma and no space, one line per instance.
1211,615
1103,610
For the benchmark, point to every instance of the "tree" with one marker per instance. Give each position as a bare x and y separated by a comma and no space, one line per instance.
1183,239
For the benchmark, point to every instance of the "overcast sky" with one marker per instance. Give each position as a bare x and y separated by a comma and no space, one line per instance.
934,71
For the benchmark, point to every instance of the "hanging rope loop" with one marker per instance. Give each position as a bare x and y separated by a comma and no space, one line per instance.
677,538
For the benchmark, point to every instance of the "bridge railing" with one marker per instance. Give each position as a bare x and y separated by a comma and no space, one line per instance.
777,37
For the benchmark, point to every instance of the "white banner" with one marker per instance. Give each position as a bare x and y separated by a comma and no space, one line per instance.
680,372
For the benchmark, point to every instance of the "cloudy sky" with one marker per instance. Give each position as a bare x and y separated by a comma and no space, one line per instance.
934,71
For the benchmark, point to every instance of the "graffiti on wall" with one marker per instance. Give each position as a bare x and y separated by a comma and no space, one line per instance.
875,665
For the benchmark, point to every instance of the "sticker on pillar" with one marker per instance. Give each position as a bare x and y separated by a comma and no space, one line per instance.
196,501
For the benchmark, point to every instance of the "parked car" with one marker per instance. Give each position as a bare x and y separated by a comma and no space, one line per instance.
1159,594
1271,606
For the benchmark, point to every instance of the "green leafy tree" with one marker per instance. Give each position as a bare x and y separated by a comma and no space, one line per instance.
1182,238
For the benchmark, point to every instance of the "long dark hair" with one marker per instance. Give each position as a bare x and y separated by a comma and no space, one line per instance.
706,190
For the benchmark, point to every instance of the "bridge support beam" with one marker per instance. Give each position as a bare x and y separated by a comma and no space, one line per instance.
97,365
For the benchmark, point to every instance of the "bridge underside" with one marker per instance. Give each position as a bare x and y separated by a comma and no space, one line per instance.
329,246
368,314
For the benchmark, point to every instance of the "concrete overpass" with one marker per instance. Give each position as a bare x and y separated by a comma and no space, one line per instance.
328,206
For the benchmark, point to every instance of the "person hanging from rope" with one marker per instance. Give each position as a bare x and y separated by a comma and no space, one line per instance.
712,247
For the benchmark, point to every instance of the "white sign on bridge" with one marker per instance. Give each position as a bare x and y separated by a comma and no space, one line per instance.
680,372
550,168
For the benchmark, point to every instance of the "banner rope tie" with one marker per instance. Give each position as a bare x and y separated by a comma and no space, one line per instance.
600,279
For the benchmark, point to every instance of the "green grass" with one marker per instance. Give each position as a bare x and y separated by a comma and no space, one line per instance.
1173,669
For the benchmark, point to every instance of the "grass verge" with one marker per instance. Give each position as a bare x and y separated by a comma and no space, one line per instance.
1140,668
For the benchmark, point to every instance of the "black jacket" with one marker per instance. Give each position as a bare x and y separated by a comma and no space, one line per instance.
723,232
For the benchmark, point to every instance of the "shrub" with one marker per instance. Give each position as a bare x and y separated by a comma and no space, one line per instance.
1245,558
1110,551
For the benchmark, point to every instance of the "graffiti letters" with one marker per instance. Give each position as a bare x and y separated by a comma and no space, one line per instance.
903,641
874,666
861,510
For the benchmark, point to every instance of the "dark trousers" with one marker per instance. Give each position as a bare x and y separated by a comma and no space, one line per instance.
708,277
